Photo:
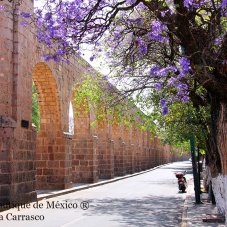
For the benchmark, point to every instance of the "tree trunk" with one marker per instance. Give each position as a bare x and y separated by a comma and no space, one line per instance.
217,153
222,136
213,153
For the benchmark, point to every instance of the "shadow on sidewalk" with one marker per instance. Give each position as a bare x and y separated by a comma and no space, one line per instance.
147,211
195,213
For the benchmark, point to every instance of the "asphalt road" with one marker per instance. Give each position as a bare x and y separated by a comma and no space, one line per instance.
150,199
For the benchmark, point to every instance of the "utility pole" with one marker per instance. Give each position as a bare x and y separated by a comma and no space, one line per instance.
195,173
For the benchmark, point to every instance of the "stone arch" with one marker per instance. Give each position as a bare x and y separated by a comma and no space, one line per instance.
50,143
48,100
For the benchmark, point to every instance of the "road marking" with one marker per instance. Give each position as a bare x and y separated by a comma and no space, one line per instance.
184,219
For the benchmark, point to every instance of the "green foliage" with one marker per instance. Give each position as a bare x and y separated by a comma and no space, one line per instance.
88,96
182,121
174,128
96,94
35,108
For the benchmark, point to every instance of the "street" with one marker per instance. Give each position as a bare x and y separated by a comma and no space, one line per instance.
149,199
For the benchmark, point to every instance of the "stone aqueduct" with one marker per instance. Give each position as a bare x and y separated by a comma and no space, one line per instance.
53,158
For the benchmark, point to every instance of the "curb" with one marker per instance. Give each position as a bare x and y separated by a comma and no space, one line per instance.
92,185
184,218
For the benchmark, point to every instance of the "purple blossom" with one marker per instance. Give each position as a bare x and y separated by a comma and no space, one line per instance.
48,16
182,86
130,2
2,8
163,13
47,57
60,52
158,86
185,98
56,58
38,12
24,23
164,107
158,27
25,15
188,3
183,95
117,35
224,8
184,65
194,4
218,41
163,102
165,110
128,70
161,72
172,81
157,33
224,4
92,58
142,46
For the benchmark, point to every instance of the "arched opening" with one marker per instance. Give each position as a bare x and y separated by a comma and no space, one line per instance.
35,108
71,119
50,150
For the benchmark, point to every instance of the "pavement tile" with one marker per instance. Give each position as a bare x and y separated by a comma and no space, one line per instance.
194,214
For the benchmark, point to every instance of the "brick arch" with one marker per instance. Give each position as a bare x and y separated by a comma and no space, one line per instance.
48,100
50,152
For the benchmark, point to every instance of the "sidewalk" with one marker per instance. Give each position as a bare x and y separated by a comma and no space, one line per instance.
194,214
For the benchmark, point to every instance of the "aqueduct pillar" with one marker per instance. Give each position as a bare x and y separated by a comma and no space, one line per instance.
17,147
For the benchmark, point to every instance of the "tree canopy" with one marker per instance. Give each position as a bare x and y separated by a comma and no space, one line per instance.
179,44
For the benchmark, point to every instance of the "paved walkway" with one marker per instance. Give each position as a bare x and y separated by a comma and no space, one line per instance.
193,214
